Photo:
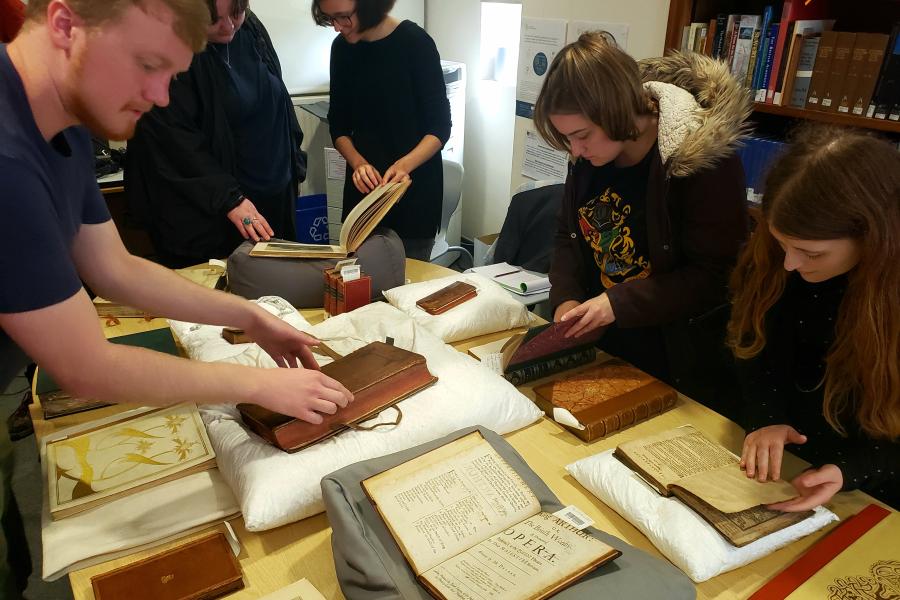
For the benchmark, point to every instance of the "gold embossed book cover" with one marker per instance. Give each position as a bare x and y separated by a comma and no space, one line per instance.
117,458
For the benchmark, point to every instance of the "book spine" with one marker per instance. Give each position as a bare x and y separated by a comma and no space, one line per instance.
733,41
627,417
858,58
790,73
721,21
767,70
751,63
821,70
759,53
783,30
839,65
802,77
544,368
888,81
877,47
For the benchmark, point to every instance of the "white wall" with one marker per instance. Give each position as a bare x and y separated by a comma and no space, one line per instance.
493,156
646,37
487,157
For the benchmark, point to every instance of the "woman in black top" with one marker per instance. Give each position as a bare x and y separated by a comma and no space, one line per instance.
389,115
222,162
816,319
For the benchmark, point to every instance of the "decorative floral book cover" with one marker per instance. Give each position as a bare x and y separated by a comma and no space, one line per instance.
118,458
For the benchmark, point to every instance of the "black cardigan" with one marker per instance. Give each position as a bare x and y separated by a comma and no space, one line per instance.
781,386
180,174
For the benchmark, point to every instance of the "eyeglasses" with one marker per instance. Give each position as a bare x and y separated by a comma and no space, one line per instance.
340,20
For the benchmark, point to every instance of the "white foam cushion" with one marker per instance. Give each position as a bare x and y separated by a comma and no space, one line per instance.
492,310
275,488
677,531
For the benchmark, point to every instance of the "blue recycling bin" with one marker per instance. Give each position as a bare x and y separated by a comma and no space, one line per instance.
311,218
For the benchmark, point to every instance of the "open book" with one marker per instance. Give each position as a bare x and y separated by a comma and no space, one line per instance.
470,527
538,352
684,463
118,458
364,217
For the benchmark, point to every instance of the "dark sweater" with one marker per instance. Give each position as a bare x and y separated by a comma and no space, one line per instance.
386,96
781,385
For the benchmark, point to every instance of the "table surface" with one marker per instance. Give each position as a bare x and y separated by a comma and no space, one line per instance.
275,558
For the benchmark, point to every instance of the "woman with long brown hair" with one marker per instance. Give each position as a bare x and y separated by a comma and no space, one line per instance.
816,318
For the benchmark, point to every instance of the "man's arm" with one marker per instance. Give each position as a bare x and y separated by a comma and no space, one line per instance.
66,339
107,267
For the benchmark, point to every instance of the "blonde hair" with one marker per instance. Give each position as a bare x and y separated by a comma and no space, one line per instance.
832,184
191,16
593,77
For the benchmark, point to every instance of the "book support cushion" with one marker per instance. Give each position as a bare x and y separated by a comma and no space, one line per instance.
492,310
464,395
369,563
299,280
678,532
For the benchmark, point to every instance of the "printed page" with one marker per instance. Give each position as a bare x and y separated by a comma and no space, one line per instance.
531,559
449,499
673,455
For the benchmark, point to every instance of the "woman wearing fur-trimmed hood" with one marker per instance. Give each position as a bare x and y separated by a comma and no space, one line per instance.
654,210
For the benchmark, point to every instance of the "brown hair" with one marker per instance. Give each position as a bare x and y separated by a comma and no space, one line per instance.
369,13
191,16
237,7
593,77
831,184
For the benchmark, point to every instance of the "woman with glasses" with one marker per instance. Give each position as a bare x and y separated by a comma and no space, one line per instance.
222,162
389,115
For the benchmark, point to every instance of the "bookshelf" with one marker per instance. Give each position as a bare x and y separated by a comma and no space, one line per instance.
875,16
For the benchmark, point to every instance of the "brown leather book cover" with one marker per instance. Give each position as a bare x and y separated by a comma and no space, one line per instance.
858,57
60,404
821,70
868,75
201,569
233,335
605,398
378,375
840,63
352,294
447,297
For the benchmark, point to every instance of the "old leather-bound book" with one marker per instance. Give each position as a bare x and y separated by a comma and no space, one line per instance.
198,570
378,375
447,297
600,400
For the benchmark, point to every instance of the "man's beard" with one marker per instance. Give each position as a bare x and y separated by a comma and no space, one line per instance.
79,107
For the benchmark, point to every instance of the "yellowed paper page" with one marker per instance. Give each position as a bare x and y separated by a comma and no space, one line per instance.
528,560
678,453
449,499
363,217
730,490
869,569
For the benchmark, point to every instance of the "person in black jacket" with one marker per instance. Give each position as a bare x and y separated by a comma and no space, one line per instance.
816,319
389,114
222,162
653,214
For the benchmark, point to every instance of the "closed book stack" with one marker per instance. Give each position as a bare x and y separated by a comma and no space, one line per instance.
378,375
604,399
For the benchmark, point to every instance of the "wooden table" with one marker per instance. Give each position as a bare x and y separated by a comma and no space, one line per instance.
275,558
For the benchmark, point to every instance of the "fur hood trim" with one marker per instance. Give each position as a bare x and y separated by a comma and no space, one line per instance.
703,110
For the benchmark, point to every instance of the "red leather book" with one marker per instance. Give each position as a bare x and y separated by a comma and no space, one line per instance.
350,295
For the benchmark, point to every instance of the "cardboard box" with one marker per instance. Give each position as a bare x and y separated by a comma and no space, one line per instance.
482,244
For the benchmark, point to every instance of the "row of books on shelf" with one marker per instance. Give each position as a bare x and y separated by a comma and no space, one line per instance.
803,62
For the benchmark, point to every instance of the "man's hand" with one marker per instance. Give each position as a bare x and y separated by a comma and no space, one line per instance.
300,393
396,172
764,448
814,488
366,178
281,341
249,222
591,314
